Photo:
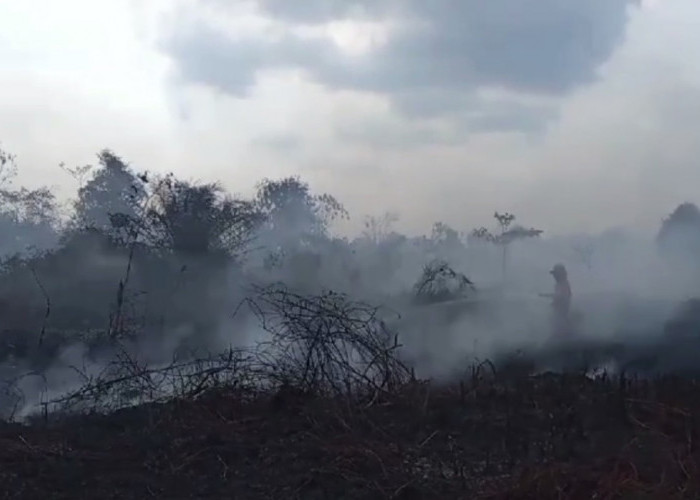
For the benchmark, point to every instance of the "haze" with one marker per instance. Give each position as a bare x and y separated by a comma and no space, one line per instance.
577,117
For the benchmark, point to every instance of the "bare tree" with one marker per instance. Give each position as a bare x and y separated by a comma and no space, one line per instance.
28,217
439,282
584,251
377,229
79,173
506,235
8,167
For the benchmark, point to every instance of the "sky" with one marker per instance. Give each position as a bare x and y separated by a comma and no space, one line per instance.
575,116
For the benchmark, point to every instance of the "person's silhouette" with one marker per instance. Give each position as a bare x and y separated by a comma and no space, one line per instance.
561,301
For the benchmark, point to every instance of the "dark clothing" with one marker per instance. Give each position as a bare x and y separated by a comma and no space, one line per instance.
561,305
562,297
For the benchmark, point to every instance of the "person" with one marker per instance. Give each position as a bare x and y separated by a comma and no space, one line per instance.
561,301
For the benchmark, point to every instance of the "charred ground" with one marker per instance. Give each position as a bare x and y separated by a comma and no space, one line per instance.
546,436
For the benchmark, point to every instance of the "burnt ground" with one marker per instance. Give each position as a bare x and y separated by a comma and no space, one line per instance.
549,436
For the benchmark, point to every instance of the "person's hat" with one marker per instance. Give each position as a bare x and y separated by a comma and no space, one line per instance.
558,270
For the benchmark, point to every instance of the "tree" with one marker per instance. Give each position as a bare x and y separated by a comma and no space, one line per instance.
198,219
114,189
8,167
28,206
28,217
445,240
378,229
679,234
505,236
294,217
584,251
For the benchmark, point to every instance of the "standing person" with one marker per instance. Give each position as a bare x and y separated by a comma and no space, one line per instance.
561,301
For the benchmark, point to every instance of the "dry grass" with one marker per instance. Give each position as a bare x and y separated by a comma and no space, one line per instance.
326,410
551,436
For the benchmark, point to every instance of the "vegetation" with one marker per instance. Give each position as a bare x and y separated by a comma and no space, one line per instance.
164,338
505,236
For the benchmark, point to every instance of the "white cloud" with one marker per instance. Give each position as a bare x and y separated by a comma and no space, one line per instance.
75,78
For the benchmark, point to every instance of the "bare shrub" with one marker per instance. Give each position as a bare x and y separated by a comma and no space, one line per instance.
327,343
126,382
324,344
439,282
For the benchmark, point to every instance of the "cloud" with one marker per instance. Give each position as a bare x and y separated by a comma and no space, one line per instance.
435,56
545,46
260,95
625,149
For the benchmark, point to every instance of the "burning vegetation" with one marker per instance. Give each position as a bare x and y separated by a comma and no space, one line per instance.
169,340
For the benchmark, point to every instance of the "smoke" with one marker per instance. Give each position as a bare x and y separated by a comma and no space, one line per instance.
627,288
163,283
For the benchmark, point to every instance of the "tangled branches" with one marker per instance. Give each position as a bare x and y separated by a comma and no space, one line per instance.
440,282
327,343
126,382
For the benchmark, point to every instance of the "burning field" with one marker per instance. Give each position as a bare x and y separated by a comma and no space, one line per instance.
329,408
164,355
